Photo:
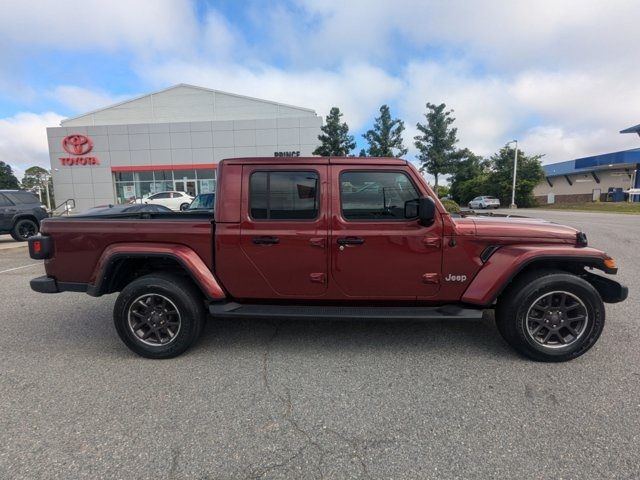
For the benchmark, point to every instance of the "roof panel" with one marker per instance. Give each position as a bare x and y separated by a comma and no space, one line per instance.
183,96
596,162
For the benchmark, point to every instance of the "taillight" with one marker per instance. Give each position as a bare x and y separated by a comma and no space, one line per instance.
40,247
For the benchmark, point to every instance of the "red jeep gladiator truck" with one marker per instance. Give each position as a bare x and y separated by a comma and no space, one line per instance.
330,238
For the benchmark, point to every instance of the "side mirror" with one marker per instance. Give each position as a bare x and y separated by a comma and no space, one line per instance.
426,211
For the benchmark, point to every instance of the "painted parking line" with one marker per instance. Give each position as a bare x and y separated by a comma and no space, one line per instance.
18,268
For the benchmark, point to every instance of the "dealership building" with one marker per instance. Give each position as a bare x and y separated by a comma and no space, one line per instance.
605,177
170,140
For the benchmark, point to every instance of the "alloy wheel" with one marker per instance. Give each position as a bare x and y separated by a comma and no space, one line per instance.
27,229
556,319
154,319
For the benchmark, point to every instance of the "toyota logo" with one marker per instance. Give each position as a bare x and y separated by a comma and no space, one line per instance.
77,144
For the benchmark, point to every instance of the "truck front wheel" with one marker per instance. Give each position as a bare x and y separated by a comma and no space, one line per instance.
159,315
550,316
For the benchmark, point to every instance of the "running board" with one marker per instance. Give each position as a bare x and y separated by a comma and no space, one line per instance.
338,312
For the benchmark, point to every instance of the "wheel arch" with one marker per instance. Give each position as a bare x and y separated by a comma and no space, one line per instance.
509,263
120,264
25,216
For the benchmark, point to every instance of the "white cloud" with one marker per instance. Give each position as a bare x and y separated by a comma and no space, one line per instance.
89,24
502,33
23,140
558,144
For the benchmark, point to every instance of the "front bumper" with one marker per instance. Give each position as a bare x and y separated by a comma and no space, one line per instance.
610,291
47,284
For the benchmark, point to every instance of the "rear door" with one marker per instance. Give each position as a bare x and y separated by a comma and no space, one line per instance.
284,229
7,211
376,252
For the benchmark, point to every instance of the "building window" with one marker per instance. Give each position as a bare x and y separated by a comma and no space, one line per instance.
141,184
283,195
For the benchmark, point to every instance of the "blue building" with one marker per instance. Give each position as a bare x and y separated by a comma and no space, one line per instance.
599,177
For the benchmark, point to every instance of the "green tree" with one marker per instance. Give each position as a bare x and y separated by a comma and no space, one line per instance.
442,191
385,138
7,179
529,174
437,141
469,176
37,178
335,138
34,177
363,153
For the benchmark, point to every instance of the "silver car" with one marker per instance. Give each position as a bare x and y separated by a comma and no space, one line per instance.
484,202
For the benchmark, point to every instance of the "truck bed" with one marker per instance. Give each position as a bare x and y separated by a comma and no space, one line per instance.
79,241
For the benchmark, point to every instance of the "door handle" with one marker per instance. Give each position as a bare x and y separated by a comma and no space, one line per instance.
266,240
350,241
431,242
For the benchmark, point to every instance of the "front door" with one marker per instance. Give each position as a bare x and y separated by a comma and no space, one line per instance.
284,230
375,251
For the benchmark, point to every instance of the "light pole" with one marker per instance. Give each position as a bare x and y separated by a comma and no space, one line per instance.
515,170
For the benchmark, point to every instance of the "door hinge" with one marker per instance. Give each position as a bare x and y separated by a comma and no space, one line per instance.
431,278
318,277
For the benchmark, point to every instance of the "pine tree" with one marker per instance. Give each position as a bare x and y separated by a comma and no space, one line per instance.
385,138
363,153
336,141
437,141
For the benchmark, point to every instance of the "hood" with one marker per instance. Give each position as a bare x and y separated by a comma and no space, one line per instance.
525,228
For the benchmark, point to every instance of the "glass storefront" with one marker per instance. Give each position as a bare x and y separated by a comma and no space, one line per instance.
131,185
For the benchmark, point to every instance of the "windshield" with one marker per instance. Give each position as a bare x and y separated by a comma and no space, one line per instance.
203,201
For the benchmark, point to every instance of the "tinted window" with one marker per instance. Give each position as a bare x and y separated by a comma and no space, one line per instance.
160,195
22,197
204,200
375,195
4,201
176,195
283,195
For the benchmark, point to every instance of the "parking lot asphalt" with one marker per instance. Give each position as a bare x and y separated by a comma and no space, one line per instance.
256,399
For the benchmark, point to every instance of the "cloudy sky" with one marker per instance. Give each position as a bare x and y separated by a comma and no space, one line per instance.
561,76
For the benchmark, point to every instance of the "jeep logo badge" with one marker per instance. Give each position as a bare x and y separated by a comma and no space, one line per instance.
456,278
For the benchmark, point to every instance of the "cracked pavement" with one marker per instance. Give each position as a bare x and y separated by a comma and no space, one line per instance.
334,400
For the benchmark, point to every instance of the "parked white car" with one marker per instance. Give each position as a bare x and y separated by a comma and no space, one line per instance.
484,202
173,200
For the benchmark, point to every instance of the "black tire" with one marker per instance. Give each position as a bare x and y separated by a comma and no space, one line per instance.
470,207
520,303
184,206
23,229
180,294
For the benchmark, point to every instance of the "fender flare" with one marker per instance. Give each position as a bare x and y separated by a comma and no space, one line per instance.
185,256
508,261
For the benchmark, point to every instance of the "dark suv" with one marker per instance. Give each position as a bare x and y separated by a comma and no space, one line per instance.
20,214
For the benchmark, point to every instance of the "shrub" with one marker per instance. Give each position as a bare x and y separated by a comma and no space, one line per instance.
451,206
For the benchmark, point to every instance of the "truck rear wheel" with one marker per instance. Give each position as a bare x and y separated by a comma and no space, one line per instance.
550,315
159,315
